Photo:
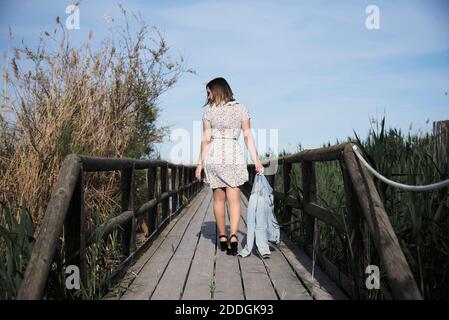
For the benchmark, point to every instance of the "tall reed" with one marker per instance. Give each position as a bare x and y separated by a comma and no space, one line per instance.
99,99
420,220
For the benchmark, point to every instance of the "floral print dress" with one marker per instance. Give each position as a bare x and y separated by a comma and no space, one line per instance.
224,164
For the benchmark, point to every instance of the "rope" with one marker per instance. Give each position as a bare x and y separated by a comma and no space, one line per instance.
429,187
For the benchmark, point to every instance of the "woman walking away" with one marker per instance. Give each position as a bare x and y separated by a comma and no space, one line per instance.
221,156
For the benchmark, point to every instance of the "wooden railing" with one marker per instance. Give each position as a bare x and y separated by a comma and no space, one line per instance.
65,213
363,206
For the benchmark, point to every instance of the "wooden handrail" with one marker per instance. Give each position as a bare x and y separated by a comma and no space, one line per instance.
65,210
363,202
124,217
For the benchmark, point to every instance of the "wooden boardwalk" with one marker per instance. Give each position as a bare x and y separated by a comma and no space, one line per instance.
184,263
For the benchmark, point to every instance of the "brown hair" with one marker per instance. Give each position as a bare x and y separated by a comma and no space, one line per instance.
221,92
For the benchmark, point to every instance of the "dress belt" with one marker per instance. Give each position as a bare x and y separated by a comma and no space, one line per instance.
224,138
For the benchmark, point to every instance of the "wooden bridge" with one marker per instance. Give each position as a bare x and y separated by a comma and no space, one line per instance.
185,263
181,260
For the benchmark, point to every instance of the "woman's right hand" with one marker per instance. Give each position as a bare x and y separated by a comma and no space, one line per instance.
259,167
198,172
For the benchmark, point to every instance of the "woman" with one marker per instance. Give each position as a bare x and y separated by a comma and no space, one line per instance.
221,156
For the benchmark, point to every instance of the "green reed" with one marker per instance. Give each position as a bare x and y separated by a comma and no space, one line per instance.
420,219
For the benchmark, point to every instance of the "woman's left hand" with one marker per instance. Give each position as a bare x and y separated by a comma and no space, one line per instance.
259,168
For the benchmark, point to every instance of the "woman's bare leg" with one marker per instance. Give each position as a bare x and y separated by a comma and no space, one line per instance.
219,196
233,199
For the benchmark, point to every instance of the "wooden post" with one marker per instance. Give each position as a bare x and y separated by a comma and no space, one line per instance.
126,182
441,145
192,179
287,210
174,186
189,179
186,180
270,179
252,175
164,184
249,184
399,275
152,213
355,235
75,231
39,265
309,189
181,183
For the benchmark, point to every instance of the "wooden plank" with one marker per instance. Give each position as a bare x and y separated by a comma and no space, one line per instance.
285,281
333,271
320,285
180,220
228,281
289,264
287,285
235,277
171,285
326,215
168,236
256,281
200,281
158,257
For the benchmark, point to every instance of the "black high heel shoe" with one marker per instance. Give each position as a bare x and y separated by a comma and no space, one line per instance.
233,245
223,244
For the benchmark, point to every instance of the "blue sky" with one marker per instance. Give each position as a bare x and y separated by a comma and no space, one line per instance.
310,69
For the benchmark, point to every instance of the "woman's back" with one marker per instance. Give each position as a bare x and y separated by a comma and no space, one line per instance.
224,164
226,120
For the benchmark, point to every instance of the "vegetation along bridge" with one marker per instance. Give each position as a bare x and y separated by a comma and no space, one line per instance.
180,258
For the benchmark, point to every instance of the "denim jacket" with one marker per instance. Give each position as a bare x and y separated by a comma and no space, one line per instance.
261,222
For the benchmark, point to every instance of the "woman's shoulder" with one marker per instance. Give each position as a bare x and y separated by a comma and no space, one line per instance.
237,104
232,102
243,110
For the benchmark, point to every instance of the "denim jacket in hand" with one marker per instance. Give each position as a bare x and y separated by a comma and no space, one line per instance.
261,222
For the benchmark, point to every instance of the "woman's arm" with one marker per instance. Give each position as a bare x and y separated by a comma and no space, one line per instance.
205,141
251,145
205,145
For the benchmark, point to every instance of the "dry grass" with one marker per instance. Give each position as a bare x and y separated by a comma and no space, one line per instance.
100,102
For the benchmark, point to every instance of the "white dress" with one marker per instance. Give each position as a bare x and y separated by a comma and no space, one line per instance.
224,164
